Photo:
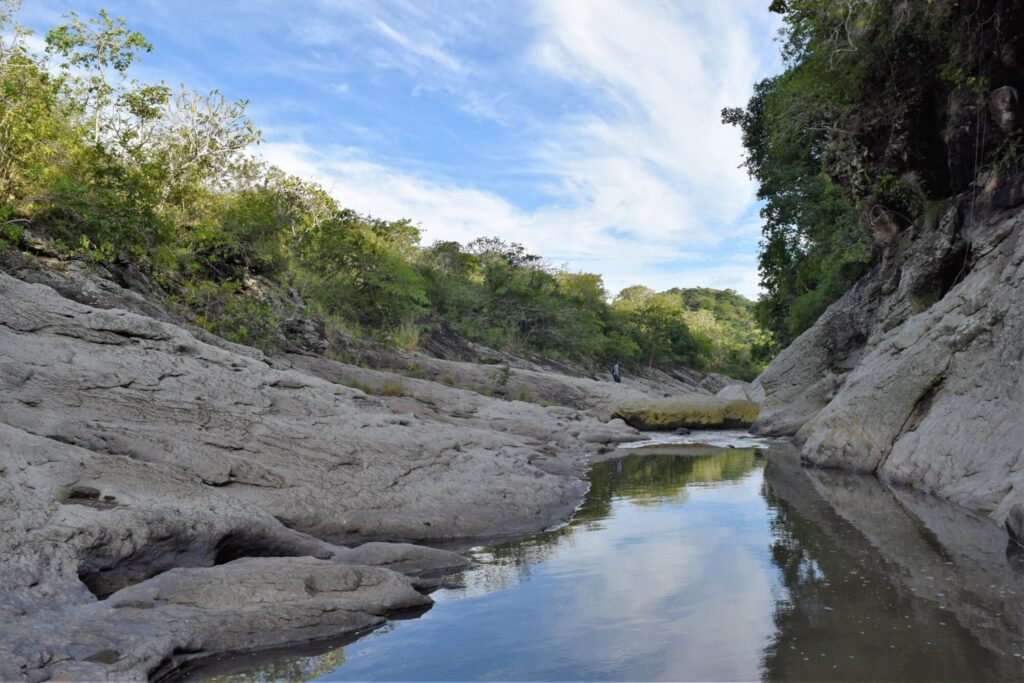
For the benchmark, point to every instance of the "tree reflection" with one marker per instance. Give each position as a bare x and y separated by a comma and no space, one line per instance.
292,670
643,480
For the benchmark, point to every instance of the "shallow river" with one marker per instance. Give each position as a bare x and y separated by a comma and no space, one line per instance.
734,565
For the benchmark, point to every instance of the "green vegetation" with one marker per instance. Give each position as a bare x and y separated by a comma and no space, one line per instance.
163,180
388,387
880,112
503,375
690,411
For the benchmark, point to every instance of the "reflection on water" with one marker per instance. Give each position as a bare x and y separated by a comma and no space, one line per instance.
287,668
725,566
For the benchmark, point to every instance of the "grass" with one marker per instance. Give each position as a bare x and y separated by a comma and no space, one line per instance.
688,411
523,394
389,387
406,337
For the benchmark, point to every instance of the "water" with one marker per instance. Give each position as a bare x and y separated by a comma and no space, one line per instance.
727,565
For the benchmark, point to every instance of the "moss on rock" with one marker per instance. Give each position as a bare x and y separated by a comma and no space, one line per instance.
688,411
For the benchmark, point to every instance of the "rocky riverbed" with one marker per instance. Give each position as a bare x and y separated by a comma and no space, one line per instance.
167,496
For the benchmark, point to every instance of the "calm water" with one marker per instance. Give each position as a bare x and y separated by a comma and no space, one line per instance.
728,566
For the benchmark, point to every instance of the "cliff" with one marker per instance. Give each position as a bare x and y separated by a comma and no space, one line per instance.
915,374
903,188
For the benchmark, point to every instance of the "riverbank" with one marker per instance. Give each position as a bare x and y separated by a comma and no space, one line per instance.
712,563
169,496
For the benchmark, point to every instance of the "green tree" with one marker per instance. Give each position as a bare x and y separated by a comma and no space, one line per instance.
97,54
358,271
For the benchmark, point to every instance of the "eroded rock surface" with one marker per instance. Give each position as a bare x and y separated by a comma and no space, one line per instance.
165,499
916,374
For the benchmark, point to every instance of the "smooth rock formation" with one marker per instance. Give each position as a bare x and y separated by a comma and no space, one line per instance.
532,382
916,373
151,484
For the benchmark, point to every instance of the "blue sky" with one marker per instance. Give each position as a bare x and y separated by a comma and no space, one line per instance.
587,130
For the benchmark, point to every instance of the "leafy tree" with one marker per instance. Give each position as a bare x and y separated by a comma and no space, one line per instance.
359,273
879,114
513,253
95,53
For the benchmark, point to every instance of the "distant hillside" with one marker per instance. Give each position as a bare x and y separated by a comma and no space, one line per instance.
729,339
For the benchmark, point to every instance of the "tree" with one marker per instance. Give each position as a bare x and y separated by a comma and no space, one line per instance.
359,271
202,140
513,253
33,129
96,57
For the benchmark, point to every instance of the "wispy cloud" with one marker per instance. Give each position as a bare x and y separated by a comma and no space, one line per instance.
432,53
640,179
586,129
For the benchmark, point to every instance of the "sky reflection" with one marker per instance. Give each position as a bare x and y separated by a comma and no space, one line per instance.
729,566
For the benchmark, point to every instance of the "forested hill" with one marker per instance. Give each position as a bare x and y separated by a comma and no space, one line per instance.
162,182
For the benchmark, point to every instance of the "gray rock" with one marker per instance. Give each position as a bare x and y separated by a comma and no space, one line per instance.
1015,523
1004,106
736,392
916,374
151,484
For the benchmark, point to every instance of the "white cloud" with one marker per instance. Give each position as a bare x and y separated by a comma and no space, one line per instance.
664,158
431,52
642,178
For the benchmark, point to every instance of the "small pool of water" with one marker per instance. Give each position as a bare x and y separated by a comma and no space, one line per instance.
733,565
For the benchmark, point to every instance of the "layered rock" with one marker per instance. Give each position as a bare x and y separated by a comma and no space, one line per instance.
916,373
166,499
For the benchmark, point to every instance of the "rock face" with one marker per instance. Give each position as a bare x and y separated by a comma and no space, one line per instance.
916,373
165,499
